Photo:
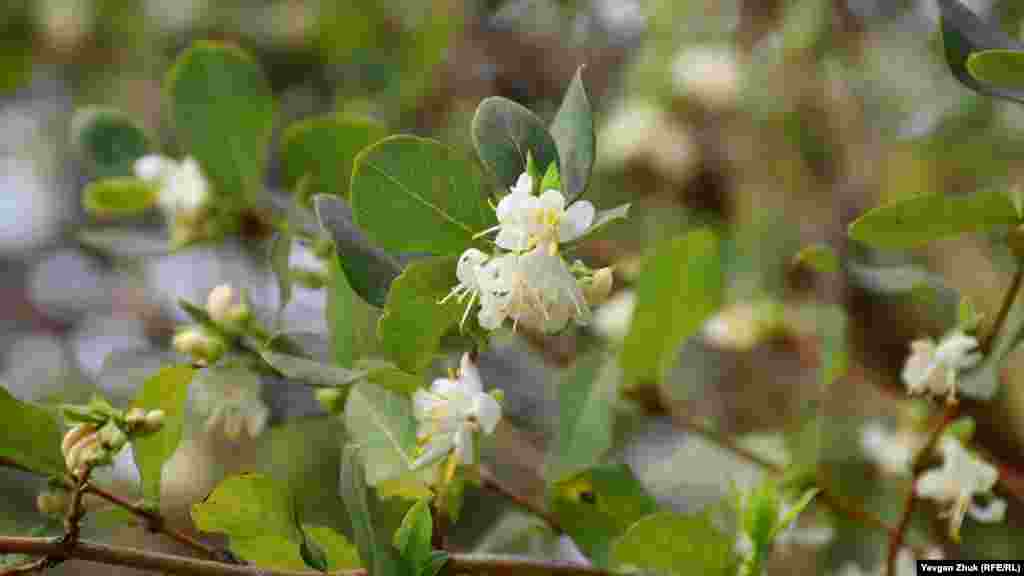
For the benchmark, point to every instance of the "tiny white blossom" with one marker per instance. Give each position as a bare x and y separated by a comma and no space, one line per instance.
451,413
535,289
467,271
525,220
182,186
892,452
934,367
961,476
231,399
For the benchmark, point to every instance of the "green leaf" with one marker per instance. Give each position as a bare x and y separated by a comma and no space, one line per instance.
503,133
437,560
341,554
31,437
413,322
280,253
818,257
1003,68
340,313
669,543
597,506
964,34
122,196
325,148
389,376
573,133
223,114
381,422
922,219
166,390
353,493
585,401
831,324
795,510
413,537
258,515
412,194
313,554
369,271
678,289
109,140
311,372
551,179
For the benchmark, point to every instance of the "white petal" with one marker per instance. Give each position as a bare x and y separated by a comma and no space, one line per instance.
487,411
438,448
523,185
955,346
512,238
470,261
512,207
153,167
935,484
918,369
995,511
444,387
552,200
423,403
576,221
464,449
469,376
490,318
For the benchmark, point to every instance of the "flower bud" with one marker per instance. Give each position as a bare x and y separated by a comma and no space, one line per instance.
332,399
600,286
135,417
203,347
112,437
219,302
51,503
154,421
83,453
74,436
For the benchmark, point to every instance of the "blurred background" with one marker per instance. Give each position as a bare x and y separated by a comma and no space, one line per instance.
778,121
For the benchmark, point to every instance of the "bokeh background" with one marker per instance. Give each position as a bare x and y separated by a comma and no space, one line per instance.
778,121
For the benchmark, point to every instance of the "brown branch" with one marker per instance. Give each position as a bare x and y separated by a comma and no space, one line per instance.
1004,310
896,538
492,483
155,522
185,566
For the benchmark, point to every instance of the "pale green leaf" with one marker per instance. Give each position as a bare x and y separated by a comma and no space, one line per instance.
381,422
325,148
573,133
311,372
166,390
669,543
31,437
504,132
585,402
413,537
122,196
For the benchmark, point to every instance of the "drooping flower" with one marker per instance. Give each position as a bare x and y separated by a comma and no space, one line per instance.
230,398
182,186
892,452
526,221
934,367
961,476
534,289
452,413
467,271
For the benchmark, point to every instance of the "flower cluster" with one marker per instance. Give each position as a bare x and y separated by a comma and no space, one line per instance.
452,413
960,478
102,431
530,283
933,367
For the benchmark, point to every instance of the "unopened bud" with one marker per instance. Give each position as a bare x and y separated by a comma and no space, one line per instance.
154,421
599,287
112,437
200,345
135,417
219,302
83,453
51,503
74,436
332,399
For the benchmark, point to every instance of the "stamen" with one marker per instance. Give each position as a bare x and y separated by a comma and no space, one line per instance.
486,232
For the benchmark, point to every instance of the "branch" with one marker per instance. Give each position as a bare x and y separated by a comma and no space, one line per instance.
185,566
492,483
1004,310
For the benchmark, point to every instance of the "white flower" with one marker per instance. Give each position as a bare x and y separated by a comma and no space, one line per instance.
961,476
535,289
933,367
892,452
525,220
451,413
182,186
230,398
467,271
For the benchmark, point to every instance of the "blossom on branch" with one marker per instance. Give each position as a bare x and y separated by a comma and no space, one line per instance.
961,476
934,367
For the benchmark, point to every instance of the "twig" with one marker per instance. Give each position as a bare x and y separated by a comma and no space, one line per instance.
1004,311
492,483
186,566
30,567
155,522
896,537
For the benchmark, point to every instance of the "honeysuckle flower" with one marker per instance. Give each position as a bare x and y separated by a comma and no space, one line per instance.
535,289
231,399
467,272
451,414
526,221
892,452
961,476
934,367
225,306
182,186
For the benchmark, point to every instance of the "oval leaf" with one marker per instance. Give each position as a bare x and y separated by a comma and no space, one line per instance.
413,322
31,438
413,537
413,194
118,197
311,372
503,133
1002,68
679,288
381,422
963,34
922,219
585,402
109,140
669,543
223,113
573,133
325,148
166,390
